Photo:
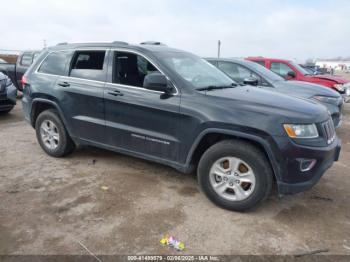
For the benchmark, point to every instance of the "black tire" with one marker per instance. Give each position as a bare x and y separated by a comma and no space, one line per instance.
6,111
65,144
250,155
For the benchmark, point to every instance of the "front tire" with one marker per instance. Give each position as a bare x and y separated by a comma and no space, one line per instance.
235,175
52,135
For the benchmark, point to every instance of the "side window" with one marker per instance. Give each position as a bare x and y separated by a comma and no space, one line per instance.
88,65
27,59
230,69
131,69
55,63
280,68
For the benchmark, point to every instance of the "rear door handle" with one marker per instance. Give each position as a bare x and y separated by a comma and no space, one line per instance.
115,93
64,84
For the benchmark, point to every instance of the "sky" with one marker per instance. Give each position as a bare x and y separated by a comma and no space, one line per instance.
273,28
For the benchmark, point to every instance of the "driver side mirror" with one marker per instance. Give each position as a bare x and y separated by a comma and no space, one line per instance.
252,81
291,74
157,82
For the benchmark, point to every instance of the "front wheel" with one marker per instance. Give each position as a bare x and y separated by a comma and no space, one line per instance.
235,175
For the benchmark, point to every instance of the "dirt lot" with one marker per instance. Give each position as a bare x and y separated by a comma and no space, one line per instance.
49,205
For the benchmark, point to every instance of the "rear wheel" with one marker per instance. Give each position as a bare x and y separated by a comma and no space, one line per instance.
235,175
52,135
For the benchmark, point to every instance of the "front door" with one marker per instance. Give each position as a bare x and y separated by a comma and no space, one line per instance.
137,119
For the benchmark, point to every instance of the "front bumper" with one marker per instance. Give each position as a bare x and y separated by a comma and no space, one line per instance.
293,180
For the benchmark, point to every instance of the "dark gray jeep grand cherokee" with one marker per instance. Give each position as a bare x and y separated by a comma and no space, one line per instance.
174,108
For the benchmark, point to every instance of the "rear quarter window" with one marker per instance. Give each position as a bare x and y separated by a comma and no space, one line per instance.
55,63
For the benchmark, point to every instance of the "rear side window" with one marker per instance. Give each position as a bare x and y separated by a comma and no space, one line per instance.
89,65
27,59
55,63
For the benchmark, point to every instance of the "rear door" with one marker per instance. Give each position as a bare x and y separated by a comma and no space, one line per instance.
82,94
138,119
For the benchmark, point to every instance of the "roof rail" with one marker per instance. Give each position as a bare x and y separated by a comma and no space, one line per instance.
152,43
120,43
63,43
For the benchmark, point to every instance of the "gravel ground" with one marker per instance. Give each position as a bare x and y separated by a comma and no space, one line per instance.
114,204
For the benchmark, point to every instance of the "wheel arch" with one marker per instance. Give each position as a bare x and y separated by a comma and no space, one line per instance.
39,105
211,136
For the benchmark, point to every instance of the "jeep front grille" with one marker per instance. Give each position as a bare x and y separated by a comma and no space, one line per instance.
329,131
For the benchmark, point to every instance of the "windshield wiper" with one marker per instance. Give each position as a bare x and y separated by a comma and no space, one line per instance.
209,88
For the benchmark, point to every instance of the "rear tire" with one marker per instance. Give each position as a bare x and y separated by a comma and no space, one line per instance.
235,175
52,135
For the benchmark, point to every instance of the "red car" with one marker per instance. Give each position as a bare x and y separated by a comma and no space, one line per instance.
292,71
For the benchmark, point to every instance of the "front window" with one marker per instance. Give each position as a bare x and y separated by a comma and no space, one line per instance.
131,69
196,71
300,69
280,69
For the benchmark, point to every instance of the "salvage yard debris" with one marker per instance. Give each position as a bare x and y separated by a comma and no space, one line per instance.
172,242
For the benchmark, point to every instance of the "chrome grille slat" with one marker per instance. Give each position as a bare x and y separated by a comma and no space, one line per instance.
329,130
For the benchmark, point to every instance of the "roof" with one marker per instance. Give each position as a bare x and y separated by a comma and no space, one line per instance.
261,58
116,44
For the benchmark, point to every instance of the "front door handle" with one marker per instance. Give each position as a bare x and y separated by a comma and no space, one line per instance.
64,84
115,93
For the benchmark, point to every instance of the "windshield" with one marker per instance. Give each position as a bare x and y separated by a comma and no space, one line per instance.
266,73
300,69
196,71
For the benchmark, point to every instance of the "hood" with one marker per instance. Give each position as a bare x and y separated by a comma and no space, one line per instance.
337,79
304,89
270,104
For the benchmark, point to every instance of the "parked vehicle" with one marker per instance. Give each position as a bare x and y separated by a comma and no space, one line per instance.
8,93
16,71
314,70
174,108
247,72
292,71
2,61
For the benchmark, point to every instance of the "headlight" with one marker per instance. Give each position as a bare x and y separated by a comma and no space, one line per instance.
326,99
339,87
301,131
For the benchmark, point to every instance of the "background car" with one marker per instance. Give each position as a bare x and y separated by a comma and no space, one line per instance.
292,71
16,71
246,72
8,93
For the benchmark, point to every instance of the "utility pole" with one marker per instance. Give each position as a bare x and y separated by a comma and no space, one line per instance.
44,42
219,47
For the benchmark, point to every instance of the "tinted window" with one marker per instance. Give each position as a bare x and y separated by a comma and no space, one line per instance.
89,65
55,63
131,69
280,68
27,59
